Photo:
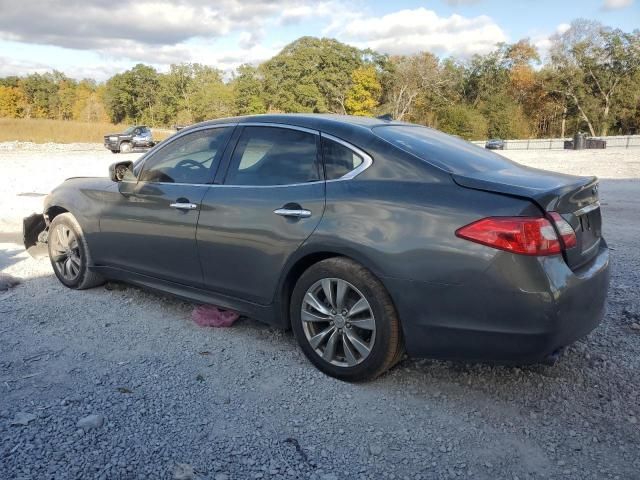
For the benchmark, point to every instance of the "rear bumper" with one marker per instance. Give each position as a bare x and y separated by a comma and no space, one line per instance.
494,320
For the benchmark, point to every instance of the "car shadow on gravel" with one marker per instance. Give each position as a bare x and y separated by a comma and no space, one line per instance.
9,255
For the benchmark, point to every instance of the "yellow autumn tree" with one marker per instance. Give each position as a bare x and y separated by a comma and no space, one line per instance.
11,102
364,94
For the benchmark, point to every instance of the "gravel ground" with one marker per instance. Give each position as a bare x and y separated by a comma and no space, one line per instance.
118,383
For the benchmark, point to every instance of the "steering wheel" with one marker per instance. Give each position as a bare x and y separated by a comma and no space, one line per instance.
190,164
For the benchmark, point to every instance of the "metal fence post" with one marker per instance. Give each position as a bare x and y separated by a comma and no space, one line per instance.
628,140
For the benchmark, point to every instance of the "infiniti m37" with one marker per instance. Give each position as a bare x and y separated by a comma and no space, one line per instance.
368,238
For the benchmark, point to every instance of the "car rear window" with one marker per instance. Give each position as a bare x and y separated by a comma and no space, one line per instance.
445,151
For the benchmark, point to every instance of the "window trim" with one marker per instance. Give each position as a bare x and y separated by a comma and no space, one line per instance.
152,153
319,160
367,160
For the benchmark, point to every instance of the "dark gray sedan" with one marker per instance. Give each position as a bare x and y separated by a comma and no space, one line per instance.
367,237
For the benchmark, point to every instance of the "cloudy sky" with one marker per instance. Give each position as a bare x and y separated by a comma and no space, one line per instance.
96,38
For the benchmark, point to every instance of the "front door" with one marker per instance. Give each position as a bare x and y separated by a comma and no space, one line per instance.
149,224
269,203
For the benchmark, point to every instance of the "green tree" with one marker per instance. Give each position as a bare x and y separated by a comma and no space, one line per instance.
590,63
131,95
248,91
310,75
464,121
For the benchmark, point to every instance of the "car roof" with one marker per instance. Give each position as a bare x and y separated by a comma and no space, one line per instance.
320,121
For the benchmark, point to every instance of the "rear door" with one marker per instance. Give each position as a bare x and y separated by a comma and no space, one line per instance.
149,225
268,203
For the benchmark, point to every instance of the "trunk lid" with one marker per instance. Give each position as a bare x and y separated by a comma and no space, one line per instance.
575,198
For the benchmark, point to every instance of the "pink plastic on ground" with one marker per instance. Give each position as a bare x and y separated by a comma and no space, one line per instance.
212,316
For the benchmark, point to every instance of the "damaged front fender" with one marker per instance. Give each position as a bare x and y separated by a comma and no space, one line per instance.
34,235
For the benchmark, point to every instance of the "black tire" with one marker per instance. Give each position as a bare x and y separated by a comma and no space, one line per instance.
387,346
126,147
77,277
115,151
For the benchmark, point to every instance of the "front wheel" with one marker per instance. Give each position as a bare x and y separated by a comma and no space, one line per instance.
69,254
125,147
344,320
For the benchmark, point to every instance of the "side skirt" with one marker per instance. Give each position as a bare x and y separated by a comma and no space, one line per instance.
264,313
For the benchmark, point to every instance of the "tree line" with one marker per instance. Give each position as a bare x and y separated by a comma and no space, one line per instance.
590,81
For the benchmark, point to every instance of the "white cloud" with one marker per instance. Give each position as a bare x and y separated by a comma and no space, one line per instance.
616,4
113,26
410,31
455,3
543,41
156,32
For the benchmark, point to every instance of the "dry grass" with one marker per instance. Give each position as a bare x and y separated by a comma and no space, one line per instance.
61,131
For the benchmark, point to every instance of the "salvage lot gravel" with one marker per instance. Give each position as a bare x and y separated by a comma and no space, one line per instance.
119,383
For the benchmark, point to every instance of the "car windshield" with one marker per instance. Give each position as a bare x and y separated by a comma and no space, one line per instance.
444,151
129,130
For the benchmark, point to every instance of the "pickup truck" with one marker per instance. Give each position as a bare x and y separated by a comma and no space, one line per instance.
138,136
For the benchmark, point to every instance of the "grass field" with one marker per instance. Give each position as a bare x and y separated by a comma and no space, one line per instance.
60,131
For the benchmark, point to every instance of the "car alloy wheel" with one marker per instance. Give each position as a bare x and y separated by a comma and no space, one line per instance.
66,254
338,322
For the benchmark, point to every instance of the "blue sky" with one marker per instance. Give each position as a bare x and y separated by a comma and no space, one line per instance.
98,38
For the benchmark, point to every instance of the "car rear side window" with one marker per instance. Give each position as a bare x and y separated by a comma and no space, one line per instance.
274,156
338,159
445,151
189,158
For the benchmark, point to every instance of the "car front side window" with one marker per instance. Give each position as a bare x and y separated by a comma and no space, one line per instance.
274,156
190,158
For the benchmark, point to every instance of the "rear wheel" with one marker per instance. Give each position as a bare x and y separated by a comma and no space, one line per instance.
69,254
125,147
345,321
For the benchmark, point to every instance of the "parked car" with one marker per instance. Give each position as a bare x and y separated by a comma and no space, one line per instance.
138,136
367,237
494,144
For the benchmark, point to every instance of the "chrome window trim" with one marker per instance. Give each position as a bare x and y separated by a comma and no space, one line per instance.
367,161
587,209
266,186
175,137
279,125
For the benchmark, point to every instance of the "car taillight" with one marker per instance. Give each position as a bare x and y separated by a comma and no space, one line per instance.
567,234
522,235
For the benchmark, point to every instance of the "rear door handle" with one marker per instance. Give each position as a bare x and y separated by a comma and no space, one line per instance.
183,206
294,213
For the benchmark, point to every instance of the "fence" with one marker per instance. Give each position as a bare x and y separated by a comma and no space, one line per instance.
617,141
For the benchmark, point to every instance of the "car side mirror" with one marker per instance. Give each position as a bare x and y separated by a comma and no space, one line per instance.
121,171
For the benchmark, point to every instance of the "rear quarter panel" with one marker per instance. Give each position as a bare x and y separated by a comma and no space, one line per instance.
406,229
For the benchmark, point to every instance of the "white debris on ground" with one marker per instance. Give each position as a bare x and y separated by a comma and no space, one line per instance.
120,383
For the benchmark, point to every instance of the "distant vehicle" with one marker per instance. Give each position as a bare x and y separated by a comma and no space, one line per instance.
138,136
494,144
366,237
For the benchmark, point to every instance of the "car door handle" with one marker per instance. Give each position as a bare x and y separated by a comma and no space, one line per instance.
295,213
183,206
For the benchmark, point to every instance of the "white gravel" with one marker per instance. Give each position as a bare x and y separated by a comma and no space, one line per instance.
121,384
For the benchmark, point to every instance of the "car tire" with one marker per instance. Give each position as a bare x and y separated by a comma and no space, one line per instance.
69,254
349,310
115,151
125,147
